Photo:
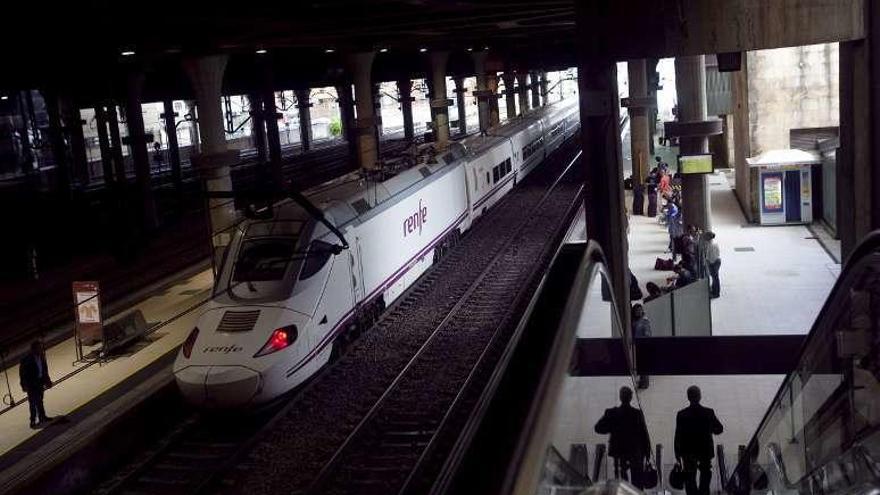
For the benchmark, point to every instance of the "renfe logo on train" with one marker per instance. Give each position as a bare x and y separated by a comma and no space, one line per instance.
416,220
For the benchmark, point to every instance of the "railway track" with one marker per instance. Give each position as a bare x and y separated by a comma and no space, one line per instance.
381,418
391,449
186,459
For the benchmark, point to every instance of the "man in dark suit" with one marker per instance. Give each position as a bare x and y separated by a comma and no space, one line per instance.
629,444
34,375
694,447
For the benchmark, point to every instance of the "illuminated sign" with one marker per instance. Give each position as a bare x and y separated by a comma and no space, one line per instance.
87,310
695,164
771,197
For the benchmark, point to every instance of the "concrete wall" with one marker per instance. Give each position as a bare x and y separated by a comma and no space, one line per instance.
776,91
791,88
742,144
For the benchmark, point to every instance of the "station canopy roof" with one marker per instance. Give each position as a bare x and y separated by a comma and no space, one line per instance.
89,37
781,158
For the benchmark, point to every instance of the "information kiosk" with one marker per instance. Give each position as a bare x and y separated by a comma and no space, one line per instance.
785,191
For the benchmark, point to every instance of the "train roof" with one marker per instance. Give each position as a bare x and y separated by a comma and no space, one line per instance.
354,196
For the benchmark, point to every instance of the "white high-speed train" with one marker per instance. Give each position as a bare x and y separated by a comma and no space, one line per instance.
287,292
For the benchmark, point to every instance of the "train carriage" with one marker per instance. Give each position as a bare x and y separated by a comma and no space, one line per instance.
289,292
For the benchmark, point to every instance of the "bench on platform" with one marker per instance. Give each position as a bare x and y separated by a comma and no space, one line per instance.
124,331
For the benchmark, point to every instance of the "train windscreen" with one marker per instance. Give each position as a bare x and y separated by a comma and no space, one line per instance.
263,262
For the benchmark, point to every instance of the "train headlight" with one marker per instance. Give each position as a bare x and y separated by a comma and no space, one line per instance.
280,339
190,342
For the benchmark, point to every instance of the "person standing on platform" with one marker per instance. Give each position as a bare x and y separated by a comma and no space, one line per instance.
713,263
651,189
641,328
629,443
34,375
694,447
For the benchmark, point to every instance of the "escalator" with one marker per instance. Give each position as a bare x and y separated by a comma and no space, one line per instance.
821,434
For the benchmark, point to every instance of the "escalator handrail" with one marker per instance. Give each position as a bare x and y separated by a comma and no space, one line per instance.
600,459
592,263
824,322
722,464
507,434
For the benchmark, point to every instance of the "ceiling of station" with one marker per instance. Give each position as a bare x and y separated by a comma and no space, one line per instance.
305,41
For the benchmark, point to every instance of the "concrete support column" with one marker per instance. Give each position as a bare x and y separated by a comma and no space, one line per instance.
439,102
638,119
27,158
365,124
536,89
482,89
73,123
104,143
522,91
305,118
855,168
170,118
214,159
404,89
270,117
346,116
545,88
858,158
377,105
56,141
603,174
492,85
690,84
602,161
137,144
258,127
460,103
116,143
509,79
194,138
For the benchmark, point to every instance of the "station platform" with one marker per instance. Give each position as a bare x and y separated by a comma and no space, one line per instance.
170,312
774,280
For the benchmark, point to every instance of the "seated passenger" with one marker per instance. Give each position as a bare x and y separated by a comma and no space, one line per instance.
684,277
654,291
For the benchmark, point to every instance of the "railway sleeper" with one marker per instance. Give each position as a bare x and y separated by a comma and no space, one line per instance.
163,481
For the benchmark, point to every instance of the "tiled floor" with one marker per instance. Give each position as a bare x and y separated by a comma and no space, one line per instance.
175,309
774,279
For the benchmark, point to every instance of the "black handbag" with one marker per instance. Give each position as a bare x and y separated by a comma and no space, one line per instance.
676,477
649,476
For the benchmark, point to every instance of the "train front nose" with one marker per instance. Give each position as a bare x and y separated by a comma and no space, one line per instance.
219,386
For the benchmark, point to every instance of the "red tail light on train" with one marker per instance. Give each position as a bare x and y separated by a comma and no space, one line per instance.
280,339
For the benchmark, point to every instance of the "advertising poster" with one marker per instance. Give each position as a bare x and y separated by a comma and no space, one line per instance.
771,199
87,310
